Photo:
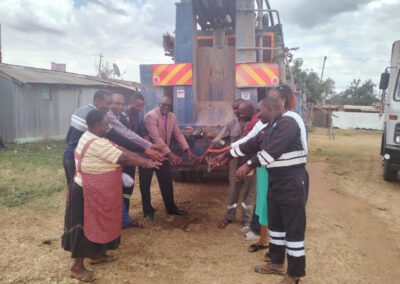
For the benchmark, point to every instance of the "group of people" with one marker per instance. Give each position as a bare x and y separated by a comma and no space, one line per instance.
106,141
267,157
267,153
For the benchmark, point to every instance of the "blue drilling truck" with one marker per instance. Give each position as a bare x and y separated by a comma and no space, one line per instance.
221,50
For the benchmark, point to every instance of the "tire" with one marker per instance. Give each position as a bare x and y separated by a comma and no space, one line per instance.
194,176
388,173
179,176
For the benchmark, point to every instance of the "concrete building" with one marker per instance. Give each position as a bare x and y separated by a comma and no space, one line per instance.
36,104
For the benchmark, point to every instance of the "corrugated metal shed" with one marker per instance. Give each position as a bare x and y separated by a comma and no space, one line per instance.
37,104
31,75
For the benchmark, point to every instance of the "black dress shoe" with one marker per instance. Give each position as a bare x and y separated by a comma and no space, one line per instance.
178,212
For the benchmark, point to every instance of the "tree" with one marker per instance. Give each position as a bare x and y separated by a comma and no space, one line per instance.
310,83
105,70
356,94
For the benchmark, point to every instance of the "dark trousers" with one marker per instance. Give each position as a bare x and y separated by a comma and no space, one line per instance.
127,191
164,177
254,224
69,168
287,219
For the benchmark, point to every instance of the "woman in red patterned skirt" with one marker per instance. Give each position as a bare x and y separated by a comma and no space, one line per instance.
94,206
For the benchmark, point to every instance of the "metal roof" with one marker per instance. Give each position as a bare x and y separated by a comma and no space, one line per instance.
120,83
31,75
361,108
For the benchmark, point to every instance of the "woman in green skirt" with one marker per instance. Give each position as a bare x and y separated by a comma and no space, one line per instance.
261,209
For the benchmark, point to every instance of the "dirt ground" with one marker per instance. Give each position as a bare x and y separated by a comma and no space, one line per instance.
353,230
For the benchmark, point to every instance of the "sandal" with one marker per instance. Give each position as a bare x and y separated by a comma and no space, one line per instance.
288,280
223,224
256,247
86,276
268,269
104,259
267,258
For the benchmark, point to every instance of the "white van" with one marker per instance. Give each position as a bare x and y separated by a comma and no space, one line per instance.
390,86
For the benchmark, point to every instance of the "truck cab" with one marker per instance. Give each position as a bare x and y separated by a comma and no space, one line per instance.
390,86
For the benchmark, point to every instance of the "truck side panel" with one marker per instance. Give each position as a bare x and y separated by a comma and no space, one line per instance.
183,95
150,93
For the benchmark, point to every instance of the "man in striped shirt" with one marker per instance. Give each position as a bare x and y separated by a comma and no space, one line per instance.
102,100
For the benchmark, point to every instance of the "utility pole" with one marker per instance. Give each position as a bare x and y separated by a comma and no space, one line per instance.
323,68
101,56
322,78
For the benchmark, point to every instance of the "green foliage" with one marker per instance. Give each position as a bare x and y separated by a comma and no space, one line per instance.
310,83
30,171
356,94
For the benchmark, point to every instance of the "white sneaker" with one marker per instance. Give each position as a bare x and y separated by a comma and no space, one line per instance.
244,229
251,236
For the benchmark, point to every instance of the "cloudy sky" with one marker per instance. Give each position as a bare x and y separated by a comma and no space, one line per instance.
356,35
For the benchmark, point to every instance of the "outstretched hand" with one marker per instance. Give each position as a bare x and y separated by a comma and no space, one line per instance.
219,161
158,147
150,164
154,154
218,151
241,172
213,152
194,158
174,159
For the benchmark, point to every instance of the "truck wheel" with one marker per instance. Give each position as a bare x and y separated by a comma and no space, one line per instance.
179,176
388,173
194,176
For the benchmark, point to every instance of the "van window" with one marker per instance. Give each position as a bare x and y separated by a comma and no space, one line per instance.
397,88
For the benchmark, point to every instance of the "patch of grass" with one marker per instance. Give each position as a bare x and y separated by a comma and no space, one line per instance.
311,129
349,146
30,171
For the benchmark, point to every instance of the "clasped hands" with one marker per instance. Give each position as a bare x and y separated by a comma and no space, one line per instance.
221,159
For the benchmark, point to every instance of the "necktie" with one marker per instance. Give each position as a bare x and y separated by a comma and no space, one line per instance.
165,128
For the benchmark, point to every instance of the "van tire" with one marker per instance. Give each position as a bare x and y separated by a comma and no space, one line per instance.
388,173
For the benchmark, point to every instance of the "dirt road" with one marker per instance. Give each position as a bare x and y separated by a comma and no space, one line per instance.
352,234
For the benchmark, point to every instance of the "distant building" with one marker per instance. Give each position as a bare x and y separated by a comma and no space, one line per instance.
352,108
58,67
36,104
347,116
